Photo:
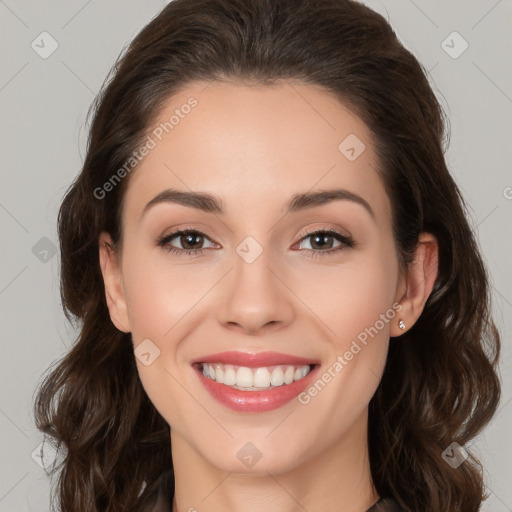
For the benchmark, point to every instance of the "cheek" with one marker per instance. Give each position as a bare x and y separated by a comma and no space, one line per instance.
161,293
351,297
161,298
355,305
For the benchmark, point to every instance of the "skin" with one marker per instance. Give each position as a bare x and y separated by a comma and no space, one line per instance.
254,147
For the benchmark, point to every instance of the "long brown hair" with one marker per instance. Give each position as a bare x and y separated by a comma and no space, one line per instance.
440,383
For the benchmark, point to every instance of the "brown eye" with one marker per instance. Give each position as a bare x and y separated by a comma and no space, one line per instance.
188,241
191,240
322,242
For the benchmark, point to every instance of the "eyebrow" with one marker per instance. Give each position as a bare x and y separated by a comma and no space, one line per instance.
210,204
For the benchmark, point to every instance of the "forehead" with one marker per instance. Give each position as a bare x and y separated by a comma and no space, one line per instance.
245,141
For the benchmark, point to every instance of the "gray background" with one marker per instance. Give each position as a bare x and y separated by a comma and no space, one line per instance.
43,104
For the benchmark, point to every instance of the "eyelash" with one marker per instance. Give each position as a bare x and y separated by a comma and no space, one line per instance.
345,240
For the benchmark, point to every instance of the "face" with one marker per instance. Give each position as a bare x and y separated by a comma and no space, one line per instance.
267,283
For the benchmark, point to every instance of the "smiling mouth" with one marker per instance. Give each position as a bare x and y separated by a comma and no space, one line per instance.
254,379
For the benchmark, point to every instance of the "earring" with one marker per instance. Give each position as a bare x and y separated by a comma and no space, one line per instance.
401,324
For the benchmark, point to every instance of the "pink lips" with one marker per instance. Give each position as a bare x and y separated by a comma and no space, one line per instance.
255,401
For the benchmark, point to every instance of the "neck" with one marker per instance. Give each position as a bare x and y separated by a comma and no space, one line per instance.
336,480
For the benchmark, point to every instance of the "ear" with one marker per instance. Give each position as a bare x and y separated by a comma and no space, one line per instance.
112,278
418,283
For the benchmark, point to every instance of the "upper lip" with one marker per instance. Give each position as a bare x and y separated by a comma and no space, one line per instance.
254,360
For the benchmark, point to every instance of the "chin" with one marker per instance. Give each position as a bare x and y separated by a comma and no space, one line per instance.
258,456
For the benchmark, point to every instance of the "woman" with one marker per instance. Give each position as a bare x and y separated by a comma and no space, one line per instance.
282,305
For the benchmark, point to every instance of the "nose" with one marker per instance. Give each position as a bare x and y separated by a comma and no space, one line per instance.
255,297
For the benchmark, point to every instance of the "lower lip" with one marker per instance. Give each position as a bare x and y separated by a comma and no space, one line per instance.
256,401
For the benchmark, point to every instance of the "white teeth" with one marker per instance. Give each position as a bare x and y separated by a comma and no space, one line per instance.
289,374
219,373
300,373
277,377
261,378
254,379
229,376
244,377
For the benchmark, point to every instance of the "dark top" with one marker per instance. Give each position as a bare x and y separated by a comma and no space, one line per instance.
159,498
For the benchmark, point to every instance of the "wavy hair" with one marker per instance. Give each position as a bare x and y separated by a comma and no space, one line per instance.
440,384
